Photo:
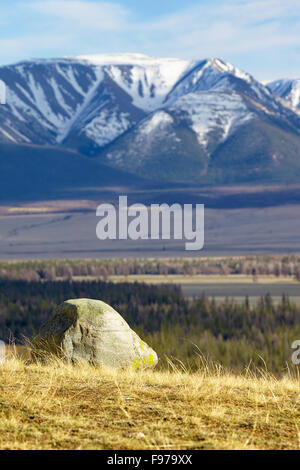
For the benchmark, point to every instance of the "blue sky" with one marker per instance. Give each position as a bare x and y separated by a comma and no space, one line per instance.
259,36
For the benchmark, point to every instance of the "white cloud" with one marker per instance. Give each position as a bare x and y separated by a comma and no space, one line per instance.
237,26
260,36
101,16
262,33
248,11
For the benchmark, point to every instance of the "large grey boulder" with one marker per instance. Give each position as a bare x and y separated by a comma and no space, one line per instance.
92,331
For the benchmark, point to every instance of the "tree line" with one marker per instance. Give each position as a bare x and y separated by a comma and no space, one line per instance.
51,270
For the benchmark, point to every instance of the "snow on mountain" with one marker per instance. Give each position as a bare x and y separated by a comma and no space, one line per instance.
158,120
87,102
214,74
146,79
192,126
47,98
42,98
211,111
214,114
289,90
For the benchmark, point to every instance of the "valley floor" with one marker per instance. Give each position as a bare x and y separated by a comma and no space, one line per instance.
64,407
72,234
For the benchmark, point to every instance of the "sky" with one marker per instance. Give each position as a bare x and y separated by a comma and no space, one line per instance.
261,37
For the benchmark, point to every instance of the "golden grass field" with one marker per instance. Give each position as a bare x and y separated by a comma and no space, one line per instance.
180,279
201,279
59,406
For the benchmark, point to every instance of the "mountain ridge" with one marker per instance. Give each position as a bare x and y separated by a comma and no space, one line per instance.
173,119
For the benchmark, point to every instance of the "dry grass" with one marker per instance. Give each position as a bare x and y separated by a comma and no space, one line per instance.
59,406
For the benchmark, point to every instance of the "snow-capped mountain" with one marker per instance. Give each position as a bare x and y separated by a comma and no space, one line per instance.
212,111
94,97
177,119
287,89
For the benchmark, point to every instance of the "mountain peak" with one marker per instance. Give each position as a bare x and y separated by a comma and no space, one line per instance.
221,66
287,89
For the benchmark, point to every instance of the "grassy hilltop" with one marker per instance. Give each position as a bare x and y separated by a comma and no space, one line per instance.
251,400
63,407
